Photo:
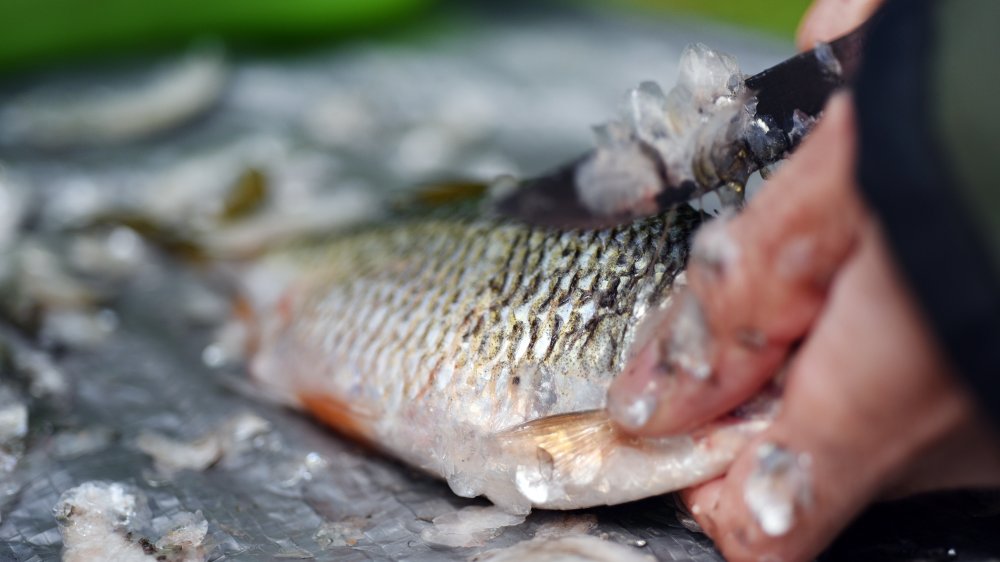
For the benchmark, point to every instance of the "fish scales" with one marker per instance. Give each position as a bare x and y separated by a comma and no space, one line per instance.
438,337
486,321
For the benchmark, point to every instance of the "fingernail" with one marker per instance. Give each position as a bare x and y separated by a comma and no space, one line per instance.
797,258
779,486
632,411
715,249
634,394
686,347
689,342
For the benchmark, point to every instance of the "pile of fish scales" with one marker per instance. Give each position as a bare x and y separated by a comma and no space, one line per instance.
708,104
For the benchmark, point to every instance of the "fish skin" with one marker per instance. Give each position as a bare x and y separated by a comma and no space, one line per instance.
455,340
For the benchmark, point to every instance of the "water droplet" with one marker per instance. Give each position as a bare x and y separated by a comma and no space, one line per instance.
124,244
802,123
214,356
646,111
534,480
465,484
827,59
107,320
752,338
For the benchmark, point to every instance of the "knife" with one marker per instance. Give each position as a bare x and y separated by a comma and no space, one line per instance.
788,96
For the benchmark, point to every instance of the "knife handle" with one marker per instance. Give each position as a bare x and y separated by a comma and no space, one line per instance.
806,81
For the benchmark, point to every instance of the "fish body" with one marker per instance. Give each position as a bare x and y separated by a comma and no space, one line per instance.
481,350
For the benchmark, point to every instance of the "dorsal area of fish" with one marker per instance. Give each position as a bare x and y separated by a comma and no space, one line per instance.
429,336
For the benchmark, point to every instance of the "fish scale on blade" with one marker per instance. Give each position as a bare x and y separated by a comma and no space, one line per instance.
481,350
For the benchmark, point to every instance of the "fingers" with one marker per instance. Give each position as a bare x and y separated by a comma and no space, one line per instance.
867,395
796,511
757,282
828,19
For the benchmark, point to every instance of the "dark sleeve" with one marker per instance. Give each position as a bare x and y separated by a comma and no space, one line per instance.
928,111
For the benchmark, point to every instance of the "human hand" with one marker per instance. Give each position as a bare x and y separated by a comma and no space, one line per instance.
828,19
871,407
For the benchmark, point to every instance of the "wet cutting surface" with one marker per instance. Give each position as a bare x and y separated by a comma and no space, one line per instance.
127,382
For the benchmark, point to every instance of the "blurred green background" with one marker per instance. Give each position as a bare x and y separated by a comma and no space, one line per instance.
38,32
778,17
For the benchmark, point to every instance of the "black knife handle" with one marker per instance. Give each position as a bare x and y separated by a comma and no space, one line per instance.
805,82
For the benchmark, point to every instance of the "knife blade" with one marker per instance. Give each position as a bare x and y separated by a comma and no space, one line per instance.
783,101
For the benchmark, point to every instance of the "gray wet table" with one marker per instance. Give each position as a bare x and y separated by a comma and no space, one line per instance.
493,95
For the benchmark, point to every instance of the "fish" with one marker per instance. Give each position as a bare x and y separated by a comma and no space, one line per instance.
480,350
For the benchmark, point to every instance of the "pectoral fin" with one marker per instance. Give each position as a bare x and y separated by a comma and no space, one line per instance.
582,459
340,415
568,447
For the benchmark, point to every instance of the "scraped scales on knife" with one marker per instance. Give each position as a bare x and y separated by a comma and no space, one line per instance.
713,129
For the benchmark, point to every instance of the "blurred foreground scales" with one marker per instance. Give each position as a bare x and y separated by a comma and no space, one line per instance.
480,350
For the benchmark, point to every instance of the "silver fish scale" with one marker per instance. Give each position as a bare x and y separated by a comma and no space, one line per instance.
490,322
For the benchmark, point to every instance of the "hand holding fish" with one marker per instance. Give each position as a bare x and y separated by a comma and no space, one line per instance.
804,278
